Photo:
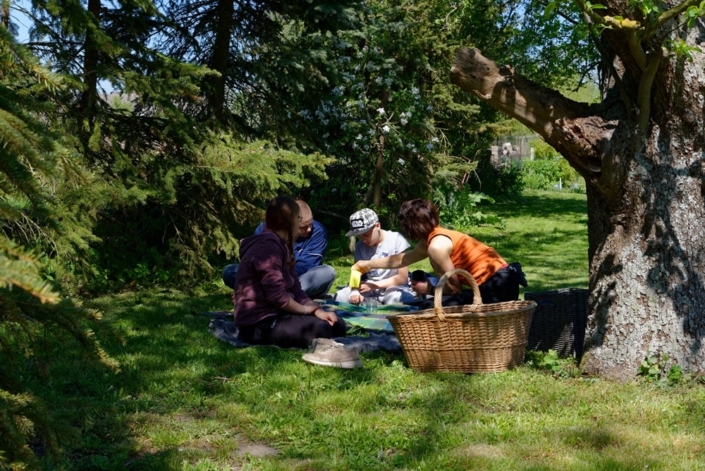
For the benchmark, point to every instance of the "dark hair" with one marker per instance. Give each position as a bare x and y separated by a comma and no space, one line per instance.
418,218
283,215
418,275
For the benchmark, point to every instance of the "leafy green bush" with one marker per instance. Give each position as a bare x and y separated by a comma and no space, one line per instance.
543,174
455,208
660,369
559,367
498,182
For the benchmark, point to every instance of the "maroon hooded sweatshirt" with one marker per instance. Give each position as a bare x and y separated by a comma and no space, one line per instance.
265,283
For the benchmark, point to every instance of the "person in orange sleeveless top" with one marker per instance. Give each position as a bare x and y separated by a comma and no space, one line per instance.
448,249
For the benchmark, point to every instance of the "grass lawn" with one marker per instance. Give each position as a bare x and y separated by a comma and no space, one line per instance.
186,401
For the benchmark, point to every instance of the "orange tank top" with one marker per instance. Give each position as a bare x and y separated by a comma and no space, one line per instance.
480,260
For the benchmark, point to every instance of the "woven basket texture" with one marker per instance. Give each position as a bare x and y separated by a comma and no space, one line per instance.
471,338
559,321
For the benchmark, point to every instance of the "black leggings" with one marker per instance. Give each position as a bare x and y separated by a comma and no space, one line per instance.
500,287
290,330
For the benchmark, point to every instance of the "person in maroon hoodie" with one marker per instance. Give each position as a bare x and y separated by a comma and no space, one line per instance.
270,306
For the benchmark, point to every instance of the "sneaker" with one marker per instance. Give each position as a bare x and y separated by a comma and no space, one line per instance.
328,352
319,343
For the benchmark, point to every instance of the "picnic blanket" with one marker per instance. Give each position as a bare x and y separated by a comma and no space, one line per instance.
226,331
358,316
380,335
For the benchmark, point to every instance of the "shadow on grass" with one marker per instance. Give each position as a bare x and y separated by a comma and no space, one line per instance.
183,397
540,204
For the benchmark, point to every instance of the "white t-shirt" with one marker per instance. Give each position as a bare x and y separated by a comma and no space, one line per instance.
392,244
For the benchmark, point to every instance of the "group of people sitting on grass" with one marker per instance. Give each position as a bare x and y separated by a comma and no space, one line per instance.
281,273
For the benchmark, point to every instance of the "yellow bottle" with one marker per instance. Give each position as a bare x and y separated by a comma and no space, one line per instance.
355,278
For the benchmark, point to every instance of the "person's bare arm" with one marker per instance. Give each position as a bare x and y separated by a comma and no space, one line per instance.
439,251
401,278
399,260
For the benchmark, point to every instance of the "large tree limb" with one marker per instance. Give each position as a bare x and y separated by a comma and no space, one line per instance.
576,130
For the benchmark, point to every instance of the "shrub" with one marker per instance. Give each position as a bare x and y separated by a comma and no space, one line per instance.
543,174
456,208
498,182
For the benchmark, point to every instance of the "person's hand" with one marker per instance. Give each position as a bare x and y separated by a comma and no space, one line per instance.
326,316
368,287
356,297
362,266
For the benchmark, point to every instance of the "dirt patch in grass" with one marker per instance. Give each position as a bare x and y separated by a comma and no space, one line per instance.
258,450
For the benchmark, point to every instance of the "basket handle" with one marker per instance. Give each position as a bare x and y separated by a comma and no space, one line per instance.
438,294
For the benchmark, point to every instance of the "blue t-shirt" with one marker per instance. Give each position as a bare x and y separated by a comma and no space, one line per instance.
308,251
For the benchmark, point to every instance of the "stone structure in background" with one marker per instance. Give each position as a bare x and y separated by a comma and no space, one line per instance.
512,149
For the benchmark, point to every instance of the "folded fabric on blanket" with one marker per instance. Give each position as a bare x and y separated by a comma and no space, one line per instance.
226,331
372,322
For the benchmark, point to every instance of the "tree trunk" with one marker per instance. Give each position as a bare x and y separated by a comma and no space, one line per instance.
646,201
90,65
221,58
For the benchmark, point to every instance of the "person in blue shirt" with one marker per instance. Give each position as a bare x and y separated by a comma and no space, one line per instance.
309,248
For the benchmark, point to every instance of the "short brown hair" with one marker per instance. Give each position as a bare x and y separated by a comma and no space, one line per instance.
418,218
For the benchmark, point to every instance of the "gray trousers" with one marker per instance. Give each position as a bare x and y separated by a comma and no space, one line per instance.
393,295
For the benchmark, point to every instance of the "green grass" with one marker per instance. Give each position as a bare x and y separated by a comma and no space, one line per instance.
186,401
547,233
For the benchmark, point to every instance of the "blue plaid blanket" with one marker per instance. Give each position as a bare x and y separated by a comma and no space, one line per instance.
357,316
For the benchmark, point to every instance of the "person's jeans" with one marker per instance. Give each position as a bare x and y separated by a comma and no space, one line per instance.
316,282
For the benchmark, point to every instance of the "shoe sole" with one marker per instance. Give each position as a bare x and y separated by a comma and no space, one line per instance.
348,365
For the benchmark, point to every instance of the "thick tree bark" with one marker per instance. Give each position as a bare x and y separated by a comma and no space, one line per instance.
646,200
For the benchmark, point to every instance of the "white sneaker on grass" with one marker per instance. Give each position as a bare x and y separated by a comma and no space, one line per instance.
327,352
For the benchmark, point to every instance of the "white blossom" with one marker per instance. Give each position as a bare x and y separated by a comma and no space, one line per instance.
380,111
404,121
401,161
359,136
415,91
434,139
385,128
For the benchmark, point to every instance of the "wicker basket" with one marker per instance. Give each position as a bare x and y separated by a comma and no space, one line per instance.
559,321
471,338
